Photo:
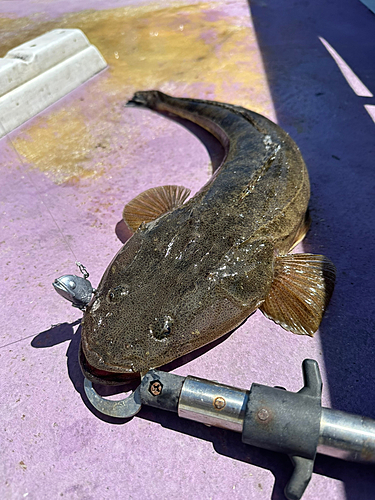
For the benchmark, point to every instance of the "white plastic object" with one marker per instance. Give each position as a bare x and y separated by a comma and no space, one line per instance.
39,72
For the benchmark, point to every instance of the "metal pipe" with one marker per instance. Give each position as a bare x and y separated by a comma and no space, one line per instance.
212,403
346,436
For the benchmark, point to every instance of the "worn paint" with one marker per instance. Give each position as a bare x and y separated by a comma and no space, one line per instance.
193,50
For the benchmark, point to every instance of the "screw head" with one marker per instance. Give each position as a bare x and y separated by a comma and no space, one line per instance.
263,414
156,387
219,403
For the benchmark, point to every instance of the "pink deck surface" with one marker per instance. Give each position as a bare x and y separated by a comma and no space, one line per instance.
53,443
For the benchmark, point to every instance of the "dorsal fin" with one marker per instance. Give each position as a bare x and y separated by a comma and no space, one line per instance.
300,292
153,203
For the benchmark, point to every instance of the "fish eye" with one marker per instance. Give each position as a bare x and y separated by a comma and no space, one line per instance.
162,327
116,294
72,284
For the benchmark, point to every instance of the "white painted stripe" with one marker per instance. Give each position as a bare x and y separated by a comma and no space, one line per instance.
352,79
370,108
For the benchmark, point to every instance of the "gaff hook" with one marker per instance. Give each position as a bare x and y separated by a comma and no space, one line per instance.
124,408
269,417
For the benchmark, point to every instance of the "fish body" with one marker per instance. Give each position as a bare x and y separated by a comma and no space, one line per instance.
194,271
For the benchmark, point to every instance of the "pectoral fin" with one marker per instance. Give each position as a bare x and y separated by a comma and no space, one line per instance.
153,203
245,273
300,292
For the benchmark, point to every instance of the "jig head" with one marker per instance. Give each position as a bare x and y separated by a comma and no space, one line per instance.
74,288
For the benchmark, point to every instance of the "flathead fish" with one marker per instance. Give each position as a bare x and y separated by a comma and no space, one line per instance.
195,270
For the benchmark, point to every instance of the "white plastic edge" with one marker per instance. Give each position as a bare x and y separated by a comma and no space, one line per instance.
38,73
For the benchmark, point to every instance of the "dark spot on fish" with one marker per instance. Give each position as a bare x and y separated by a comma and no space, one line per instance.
162,327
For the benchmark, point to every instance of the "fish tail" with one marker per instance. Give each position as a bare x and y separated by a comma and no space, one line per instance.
206,114
146,99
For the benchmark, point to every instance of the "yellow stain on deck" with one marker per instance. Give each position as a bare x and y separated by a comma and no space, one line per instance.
58,144
188,50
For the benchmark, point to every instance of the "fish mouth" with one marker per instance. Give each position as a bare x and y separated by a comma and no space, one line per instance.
104,377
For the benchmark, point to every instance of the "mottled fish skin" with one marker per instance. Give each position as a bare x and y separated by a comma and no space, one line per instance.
197,272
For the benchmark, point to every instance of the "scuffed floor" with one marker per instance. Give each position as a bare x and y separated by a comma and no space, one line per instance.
64,179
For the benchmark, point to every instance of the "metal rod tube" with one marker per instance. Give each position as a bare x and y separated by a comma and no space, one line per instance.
347,436
213,404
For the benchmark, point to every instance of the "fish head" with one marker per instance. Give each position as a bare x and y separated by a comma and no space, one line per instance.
142,315
152,307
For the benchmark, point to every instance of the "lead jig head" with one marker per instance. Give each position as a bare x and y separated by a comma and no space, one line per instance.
74,288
